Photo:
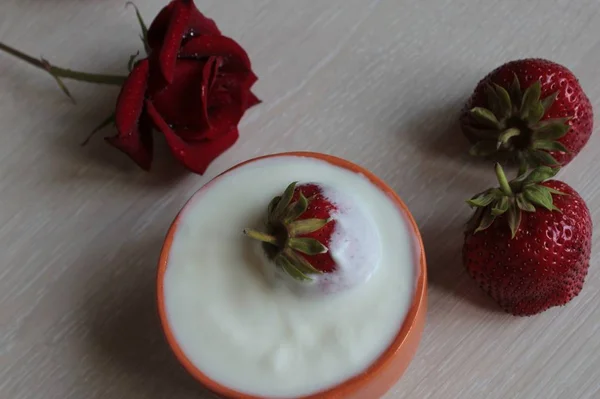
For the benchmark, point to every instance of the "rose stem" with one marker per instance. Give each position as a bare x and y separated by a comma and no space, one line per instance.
58,73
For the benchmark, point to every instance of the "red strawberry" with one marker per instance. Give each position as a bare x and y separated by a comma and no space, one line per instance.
546,124
528,244
299,229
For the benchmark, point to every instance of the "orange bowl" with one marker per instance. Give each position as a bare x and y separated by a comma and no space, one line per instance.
380,376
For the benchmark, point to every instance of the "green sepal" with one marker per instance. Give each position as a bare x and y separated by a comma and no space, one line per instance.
551,130
537,195
485,117
284,263
308,246
306,226
300,262
549,145
283,241
523,204
507,135
482,134
531,97
515,90
272,206
548,101
482,200
511,199
512,121
535,113
486,220
541,158
501,206
283,203
484,148
514,219
296,209
504,101
540,174
473,222
493,101
553,191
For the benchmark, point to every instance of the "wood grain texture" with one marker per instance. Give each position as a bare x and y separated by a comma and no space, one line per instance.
376,82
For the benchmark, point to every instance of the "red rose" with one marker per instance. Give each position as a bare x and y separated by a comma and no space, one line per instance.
194,87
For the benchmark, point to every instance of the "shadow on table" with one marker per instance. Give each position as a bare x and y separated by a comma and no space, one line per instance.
445,268
447,167
63,135
435,130
125,333
101,160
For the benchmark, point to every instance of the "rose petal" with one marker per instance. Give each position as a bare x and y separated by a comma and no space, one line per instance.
201,25
209,74
137,145
131,98
156,81
134,133
246,94
222,120
198,24
253,100
235,57
228,102
174,35
230,88
183,103
195,155
158,27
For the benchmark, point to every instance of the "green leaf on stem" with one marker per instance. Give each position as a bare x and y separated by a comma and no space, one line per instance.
102,125
58,80
144,35
132,60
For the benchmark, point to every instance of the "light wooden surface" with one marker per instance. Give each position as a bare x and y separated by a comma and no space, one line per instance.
377,82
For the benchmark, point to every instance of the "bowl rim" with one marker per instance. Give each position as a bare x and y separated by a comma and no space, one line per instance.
352,384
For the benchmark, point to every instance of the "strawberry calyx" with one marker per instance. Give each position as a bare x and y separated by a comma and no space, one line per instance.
523,194
283,242
512,125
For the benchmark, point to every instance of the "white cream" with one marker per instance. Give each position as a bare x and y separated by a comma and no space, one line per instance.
263,339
